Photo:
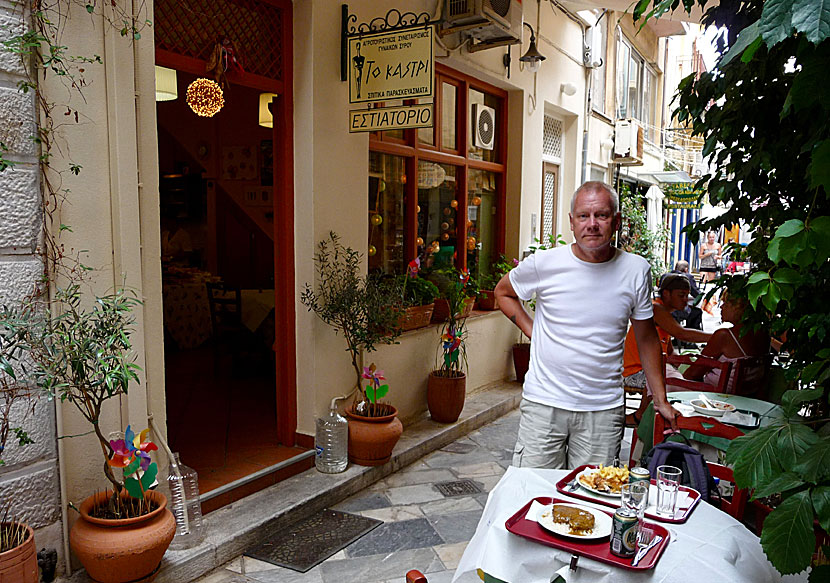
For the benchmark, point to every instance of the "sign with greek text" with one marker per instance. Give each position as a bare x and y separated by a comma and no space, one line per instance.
390,118
391,65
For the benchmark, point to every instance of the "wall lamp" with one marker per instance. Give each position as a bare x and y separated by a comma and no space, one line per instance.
568,88
532,58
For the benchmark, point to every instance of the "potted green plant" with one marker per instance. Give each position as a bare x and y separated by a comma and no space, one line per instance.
419,297
446,386
446,280
487,283
18,553
83,356
366,310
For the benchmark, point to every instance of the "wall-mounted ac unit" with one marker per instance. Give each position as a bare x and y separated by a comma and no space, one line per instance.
496,22
484,126
628,142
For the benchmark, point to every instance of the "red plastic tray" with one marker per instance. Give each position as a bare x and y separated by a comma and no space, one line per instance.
680,516
599,550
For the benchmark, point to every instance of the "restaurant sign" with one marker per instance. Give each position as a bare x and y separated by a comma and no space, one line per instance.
389,65
682,196
390,118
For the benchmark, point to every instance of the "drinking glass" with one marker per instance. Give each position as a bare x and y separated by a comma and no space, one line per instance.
635,498
668,482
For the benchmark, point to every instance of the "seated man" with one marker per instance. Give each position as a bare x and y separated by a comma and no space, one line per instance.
733,344
674,290
691,315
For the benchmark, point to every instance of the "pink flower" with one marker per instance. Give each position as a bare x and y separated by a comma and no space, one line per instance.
371,373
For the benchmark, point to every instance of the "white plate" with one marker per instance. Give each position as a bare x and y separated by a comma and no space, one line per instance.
600,492
602,523
721,407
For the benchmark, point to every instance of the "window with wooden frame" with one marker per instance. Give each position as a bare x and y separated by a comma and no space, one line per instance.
438,193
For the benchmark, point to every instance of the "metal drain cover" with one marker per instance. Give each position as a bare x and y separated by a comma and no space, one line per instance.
458,488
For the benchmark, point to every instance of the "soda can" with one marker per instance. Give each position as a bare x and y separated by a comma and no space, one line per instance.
624,533
640,474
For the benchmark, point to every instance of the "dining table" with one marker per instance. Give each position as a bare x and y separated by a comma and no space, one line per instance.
766,413
710,546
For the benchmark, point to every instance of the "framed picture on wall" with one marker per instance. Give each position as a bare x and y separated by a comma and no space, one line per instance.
266,166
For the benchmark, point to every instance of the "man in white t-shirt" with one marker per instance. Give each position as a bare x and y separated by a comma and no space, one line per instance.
572,410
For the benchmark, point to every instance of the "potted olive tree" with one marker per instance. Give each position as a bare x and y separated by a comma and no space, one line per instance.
366,310
18,553
446,386
83,356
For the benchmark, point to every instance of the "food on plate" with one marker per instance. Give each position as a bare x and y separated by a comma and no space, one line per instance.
605,479
579,521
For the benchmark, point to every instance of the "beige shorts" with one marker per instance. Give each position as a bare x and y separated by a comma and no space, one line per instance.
556,438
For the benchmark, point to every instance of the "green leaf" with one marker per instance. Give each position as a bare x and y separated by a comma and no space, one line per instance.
758,276
746,37
774,251
786,275
793,440
814,464
790,228
777,485
821,504
149,476
812,17
792,400
819,574
381,391
819,169
750,51
90,8
755,457
787,538
133,488
821,225
776,21
756,291
772,297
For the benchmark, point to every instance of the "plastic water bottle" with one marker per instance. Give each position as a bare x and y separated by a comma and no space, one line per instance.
331,441
185,505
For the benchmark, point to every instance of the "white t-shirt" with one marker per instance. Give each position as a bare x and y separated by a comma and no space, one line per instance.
582,314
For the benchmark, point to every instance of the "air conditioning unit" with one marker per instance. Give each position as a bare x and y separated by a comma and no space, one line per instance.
487,21
484,126
628,142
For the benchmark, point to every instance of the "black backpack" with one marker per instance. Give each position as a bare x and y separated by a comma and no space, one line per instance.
682,455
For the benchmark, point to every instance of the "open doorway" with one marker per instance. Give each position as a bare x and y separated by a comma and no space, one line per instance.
216,198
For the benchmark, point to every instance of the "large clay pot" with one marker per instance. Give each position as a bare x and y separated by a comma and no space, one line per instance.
487,300
372,439
417,317
19,565
442,310
521,360
445,396
126,550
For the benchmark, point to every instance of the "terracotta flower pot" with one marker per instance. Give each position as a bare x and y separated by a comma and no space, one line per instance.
19,565
521,360
487,300
372,439
445,396
442,310
125,550
417,317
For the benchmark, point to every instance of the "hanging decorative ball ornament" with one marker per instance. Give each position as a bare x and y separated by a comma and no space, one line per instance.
445,226
205,97
447,210
418,209
469,223
445,236
382,185
451,221
454,203
476,200
419,241
403,179
372,250
471,243
376,220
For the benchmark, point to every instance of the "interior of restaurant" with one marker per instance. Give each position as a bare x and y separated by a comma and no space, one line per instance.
216,209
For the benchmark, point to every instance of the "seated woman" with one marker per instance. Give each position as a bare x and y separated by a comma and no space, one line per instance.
730,344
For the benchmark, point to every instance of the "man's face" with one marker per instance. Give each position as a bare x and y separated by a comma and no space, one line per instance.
676,298
593,220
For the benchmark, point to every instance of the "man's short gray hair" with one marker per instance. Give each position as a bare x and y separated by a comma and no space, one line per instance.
597,186
681,265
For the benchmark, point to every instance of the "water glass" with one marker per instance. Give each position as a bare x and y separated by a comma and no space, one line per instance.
635,498
668,482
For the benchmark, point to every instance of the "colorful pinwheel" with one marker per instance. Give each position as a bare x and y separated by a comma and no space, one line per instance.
414,267
374,390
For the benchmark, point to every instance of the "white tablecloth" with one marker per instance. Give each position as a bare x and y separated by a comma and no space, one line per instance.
710,546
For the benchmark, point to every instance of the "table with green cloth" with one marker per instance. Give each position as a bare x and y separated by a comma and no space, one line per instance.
767,413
